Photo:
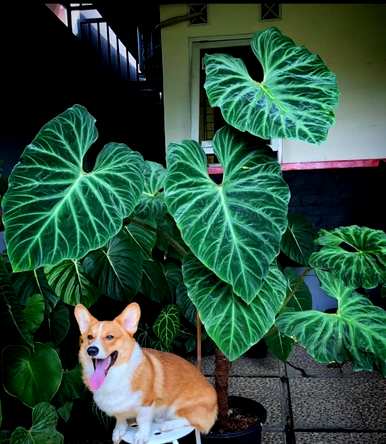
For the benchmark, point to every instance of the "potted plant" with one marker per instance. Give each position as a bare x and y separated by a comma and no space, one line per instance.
130,228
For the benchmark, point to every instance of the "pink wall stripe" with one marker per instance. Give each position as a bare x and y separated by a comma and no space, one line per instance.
366,163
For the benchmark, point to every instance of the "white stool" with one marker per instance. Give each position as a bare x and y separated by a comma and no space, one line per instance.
158,437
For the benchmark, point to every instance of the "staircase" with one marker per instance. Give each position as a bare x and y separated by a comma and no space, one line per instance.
126,59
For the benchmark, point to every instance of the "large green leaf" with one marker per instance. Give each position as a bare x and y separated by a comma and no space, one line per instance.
32,376
173,275
356,254
298,241
232,324
278,344
53,209
295,99
185,305
71,387
32,315
59,322
154,284
144,235
233,228
151,203
167,325
43,430
169,238
355,333
298,298
117,267
27,283
71,283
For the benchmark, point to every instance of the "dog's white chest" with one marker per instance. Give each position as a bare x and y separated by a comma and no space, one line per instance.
115,395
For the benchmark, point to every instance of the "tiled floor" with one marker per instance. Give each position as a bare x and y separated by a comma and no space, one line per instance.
309,403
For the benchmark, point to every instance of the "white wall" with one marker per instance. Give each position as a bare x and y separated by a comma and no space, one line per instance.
351,39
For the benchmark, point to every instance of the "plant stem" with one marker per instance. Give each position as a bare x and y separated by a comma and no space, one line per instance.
222,369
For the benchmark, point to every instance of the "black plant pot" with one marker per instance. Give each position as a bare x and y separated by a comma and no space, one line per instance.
251,435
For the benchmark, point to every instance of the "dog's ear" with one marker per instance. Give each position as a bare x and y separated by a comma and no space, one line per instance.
129,318
83,317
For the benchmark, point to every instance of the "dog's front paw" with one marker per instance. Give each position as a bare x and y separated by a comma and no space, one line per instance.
141,437
119,431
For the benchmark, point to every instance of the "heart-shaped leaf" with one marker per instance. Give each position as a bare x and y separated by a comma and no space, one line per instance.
117,267
53,209
298,298
167,325
151,203
295,99
356,254
355,333
298,241
71,283
43,430
232,324
32,376
233,228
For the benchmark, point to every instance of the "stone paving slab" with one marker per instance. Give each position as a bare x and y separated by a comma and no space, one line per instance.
268,366
266,391
273,438
300,358
340,438
350,403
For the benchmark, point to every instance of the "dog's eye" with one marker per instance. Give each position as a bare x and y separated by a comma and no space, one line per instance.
90,337
109,337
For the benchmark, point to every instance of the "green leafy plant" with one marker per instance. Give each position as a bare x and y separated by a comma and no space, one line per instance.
177,241
43,429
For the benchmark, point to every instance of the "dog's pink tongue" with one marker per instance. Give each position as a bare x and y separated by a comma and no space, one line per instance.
99,374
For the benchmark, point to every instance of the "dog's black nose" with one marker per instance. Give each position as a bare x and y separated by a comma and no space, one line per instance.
92,351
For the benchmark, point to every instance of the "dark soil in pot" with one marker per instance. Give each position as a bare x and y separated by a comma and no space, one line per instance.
245,422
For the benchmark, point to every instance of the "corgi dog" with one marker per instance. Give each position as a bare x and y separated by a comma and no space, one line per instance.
128,381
